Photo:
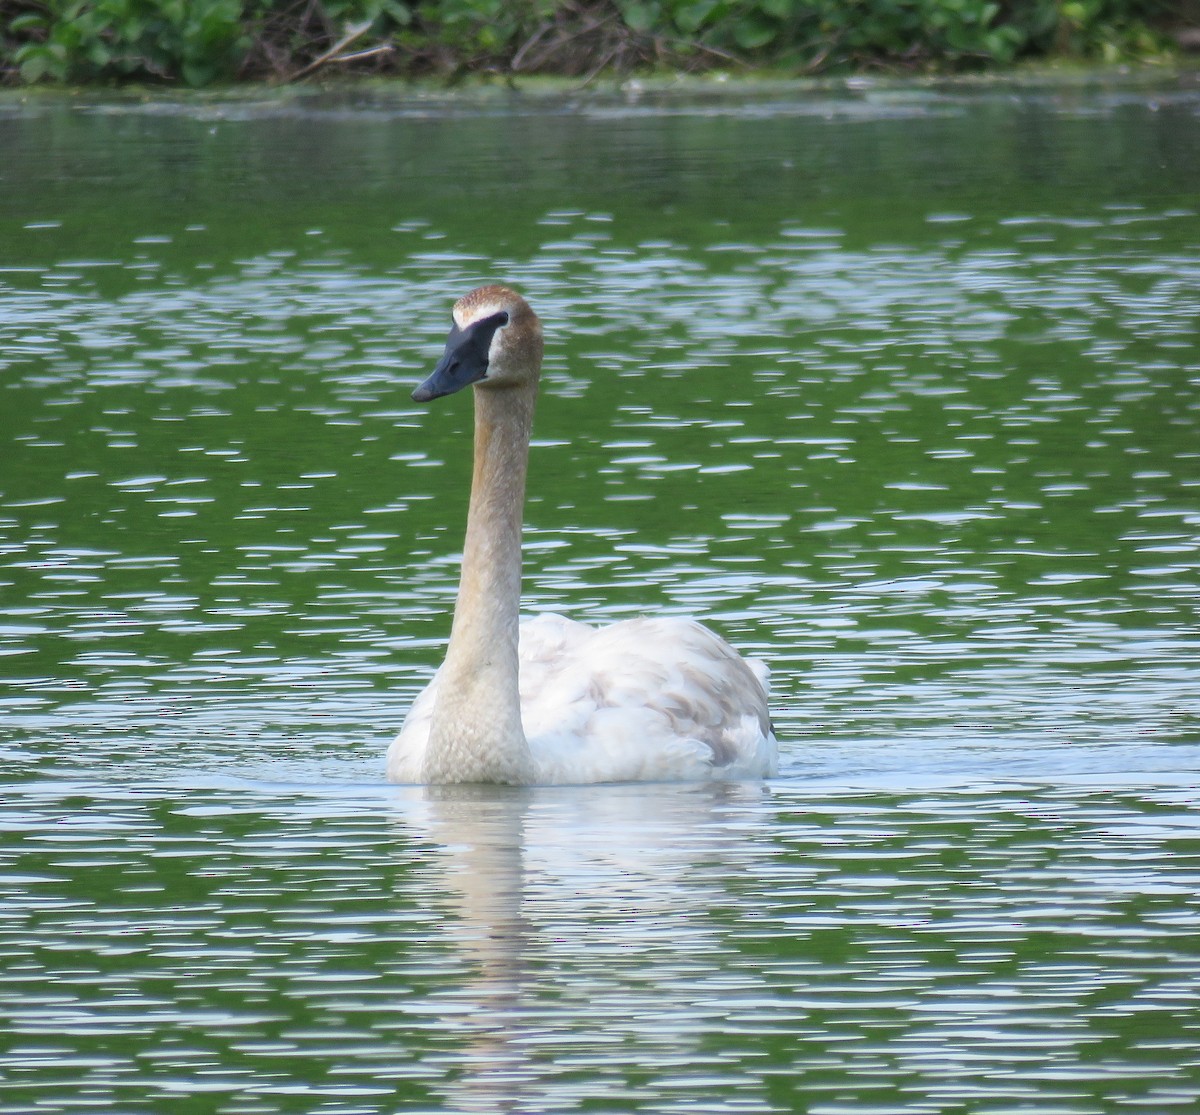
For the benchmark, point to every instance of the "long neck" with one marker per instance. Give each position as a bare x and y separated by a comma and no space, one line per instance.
476,734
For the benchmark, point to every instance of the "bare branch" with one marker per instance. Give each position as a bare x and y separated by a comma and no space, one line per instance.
354,32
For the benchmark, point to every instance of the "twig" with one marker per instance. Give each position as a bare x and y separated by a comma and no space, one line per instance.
353,34
595,71
568,37
715,51
519,57
359,55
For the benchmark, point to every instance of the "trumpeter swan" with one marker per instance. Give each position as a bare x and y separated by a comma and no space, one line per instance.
551,700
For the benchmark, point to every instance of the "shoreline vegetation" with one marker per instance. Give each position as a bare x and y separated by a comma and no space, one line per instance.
199,43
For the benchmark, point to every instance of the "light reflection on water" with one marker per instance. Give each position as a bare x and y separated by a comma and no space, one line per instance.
659,948
941,473
898,468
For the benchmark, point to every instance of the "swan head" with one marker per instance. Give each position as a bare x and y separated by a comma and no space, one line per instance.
496,341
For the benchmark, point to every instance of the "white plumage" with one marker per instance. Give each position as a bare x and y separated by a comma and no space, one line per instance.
550,700
639,701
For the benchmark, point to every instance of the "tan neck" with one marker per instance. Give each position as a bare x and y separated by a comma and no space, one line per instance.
476,735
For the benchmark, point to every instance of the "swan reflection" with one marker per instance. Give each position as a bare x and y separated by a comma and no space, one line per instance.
584,920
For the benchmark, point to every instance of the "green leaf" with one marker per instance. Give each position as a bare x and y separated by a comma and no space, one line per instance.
36,62
98,54
196,74
751,33
639,17
689,18
33,69
400,14
30,21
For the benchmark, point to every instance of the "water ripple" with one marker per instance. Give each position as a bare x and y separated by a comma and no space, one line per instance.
926,442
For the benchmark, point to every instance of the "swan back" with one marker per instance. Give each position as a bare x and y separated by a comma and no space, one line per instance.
643,700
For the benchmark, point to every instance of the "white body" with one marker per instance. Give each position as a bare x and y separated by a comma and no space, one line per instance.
644,700
552,701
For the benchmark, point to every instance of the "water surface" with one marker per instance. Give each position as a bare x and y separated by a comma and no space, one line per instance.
896,386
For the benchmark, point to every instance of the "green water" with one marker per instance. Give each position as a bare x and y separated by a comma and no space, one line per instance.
896,386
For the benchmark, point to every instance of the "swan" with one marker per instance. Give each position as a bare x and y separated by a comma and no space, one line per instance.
550,700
